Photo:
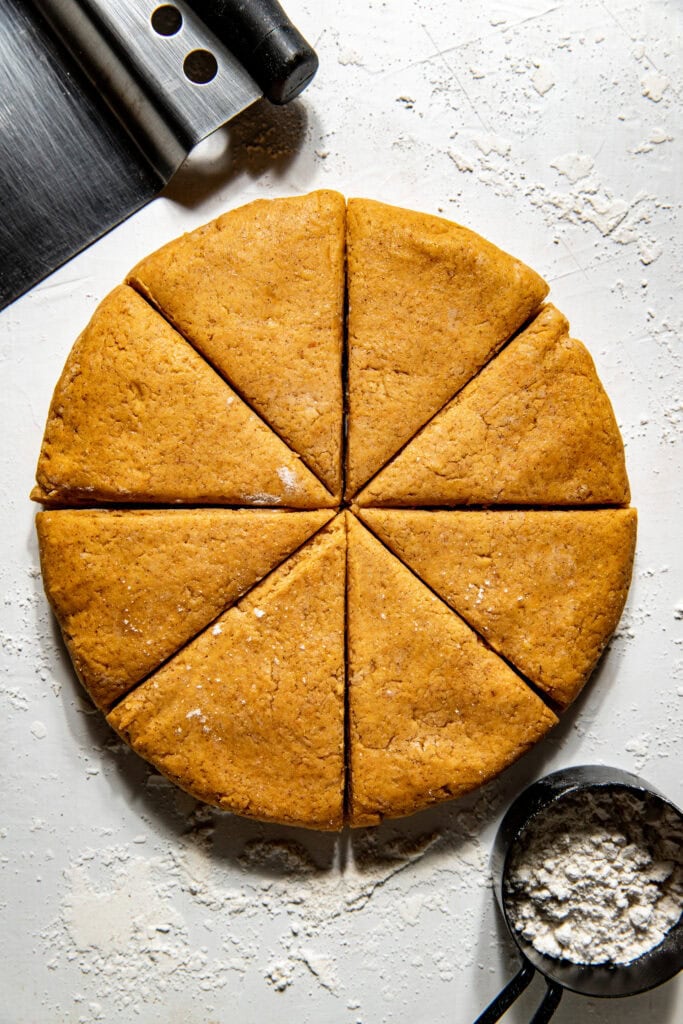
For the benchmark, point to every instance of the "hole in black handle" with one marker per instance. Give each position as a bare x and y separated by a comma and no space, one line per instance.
200,66
166,20
263,39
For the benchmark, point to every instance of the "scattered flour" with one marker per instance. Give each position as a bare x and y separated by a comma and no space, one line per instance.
131,946
288,478
654,86
573,166
280,975
640,747
121,927
598,878
461,162
490,143
14,697
321,967
542,80
350,57
263,498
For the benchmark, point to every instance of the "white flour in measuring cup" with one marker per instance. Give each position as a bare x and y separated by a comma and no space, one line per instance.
597,878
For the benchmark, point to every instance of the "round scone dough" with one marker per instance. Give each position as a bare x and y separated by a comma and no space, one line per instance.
325,568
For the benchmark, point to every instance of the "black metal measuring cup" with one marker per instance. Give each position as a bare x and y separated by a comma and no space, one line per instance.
601,980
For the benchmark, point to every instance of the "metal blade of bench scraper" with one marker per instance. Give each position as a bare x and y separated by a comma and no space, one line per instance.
80,152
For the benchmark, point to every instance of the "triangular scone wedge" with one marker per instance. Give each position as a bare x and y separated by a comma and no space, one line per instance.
546,589
129,588
534,428
139,416
250,715
260,292
429,304
433,713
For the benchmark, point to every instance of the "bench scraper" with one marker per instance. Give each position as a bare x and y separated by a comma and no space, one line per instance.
102,100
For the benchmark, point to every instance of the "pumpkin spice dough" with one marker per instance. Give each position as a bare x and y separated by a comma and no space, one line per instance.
260,293
429,303
432,712
546,589
253,655
250,715
534,428
138,416
130,588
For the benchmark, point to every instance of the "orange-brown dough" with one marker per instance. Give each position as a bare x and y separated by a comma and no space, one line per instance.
130,587
260,292
429,303
534,428
250,715
432,712
546,589
139,417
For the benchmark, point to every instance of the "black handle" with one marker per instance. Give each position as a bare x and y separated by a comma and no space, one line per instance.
512,991
551,1000
266,43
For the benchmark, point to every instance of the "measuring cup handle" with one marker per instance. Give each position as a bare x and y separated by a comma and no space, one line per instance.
495,1010
551,1001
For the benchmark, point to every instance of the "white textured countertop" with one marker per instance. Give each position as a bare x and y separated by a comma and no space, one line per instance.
553,128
